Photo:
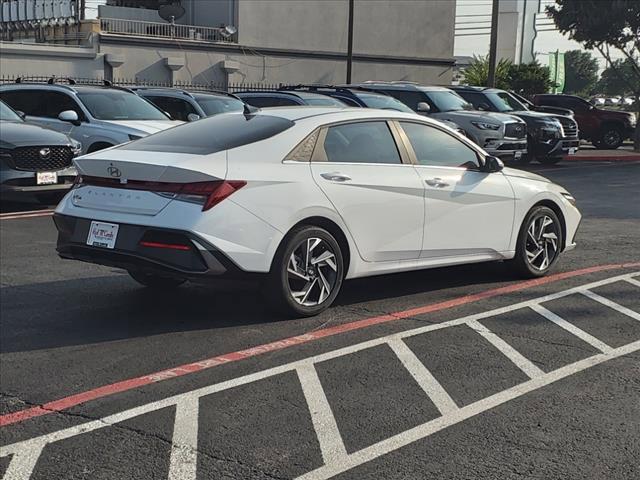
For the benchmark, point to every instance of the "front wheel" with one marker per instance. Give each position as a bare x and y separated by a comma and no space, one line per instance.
155,281
539,243
306,274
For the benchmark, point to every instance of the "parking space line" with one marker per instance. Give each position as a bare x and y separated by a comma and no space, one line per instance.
507,350
425,379
633,281
23,462
324,422
428,428
184,446
616,306
313,388
58,405
571,328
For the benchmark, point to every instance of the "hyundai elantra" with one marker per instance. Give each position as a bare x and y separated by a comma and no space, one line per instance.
303,198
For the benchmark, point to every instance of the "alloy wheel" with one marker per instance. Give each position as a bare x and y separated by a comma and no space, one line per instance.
312,272
612,137
542,245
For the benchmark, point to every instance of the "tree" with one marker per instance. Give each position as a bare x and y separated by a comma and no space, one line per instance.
614,24
615,79
529,78
477,72
581,72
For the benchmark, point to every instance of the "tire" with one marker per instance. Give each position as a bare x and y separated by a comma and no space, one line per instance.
296,287
549,160
527,246
155,281
523,160
611,137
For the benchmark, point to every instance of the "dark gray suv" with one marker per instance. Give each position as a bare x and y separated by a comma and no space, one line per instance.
34,161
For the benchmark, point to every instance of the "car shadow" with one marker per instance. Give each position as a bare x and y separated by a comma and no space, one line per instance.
110,308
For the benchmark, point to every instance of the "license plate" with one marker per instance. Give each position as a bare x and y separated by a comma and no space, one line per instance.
103,234
572,151
46,178
517,155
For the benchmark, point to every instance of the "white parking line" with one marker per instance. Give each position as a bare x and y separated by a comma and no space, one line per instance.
425,379
324,422
184,446
183,456
507,350
571,328
633,281
605,301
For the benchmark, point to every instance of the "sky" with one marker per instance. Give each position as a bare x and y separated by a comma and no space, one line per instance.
474,16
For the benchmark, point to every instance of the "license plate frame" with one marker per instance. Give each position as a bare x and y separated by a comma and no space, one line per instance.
103,235
46,178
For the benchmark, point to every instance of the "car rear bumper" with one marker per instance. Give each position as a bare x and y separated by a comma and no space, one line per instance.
200,262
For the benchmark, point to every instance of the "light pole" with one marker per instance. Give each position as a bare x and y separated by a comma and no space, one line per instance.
350,42
493,45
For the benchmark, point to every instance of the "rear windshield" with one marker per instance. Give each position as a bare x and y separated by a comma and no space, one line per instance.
213,134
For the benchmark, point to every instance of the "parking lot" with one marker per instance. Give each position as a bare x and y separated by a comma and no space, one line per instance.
456,373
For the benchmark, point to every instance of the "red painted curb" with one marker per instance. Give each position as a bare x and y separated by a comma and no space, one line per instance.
603,158
125,385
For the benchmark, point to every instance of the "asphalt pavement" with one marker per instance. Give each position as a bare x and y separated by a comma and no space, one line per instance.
456,373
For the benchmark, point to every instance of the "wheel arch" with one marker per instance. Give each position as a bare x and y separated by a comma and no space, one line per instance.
330,226
101,144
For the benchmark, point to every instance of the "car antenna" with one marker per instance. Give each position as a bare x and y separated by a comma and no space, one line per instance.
249,110
51,81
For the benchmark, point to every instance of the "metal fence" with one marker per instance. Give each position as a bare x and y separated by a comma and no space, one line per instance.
141,28
136,82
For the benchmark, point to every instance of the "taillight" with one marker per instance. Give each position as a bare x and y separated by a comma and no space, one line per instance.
207,194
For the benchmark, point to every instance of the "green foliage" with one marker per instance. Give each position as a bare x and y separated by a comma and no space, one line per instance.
527,78
617,78
478,72
581,72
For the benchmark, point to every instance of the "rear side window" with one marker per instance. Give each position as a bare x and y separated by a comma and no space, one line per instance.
268,101
213,134
363,142
177,108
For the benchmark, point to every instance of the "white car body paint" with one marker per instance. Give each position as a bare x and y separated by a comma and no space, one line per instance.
381,212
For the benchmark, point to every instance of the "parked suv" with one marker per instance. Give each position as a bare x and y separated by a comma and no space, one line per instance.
499,134
604,128
34,161
549,137
98,116
188,106
266,99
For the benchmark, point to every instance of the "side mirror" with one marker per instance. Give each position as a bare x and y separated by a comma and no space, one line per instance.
192,117
484,107
21,114
492,164
70,116
423,107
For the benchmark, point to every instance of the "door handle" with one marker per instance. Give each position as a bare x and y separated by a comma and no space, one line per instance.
436,182
335,177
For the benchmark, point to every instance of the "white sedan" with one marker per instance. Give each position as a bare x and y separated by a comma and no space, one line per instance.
303,198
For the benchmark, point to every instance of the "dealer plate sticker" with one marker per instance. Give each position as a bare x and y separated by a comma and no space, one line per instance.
517,155
103,234
46,178
572,151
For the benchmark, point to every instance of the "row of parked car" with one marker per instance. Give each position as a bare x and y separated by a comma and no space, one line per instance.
44,125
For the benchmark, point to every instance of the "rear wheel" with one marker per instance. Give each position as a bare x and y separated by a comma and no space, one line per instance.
539,243
152,280
307,273
611,137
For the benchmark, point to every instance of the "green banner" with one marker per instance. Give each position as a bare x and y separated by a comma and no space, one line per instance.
556,71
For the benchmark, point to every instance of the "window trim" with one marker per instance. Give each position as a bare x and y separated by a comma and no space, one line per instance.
481,157
320,155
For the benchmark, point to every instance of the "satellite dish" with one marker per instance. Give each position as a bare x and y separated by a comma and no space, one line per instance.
171,11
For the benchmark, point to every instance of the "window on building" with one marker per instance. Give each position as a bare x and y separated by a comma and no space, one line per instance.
437,148
362,142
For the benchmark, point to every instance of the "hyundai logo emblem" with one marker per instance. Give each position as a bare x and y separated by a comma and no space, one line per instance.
114,172
45,152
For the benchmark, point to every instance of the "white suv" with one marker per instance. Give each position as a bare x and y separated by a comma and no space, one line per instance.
96,116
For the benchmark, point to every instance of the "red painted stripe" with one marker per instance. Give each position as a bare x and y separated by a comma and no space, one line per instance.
124,385
603,158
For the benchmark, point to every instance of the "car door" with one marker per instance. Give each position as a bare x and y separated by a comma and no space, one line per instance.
378,194
468,211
